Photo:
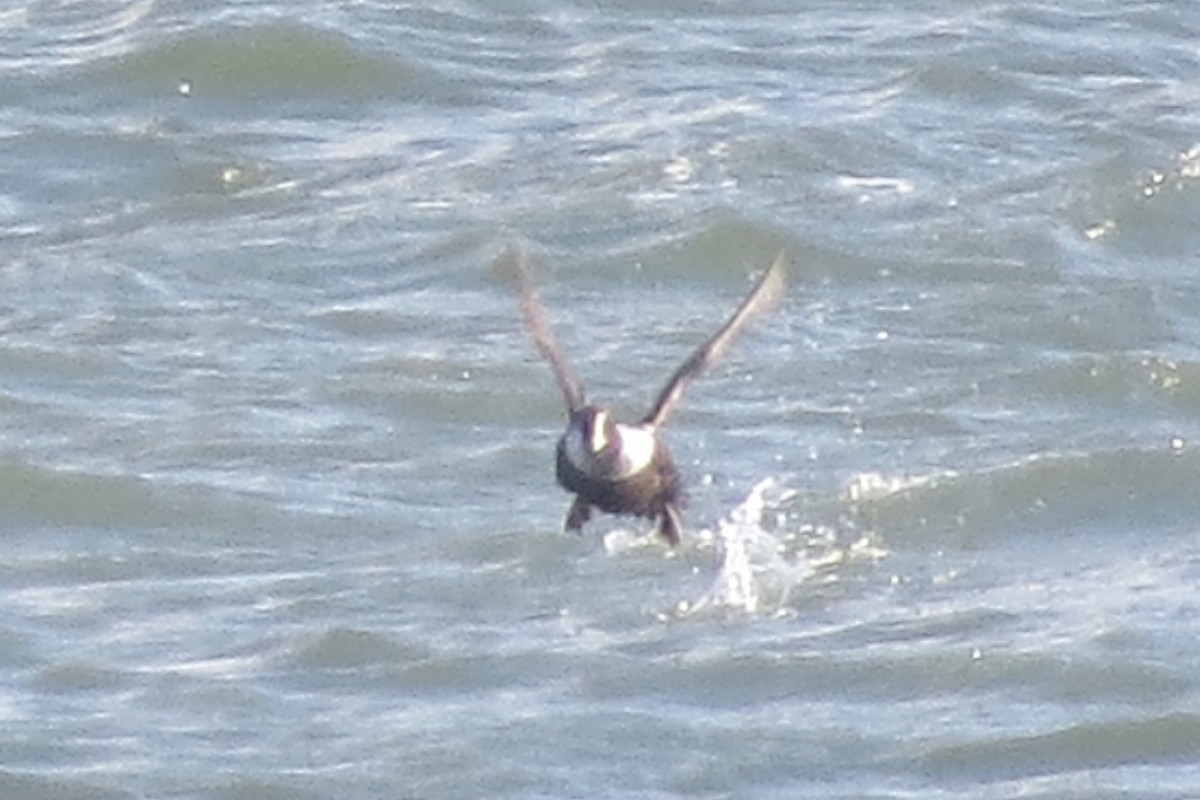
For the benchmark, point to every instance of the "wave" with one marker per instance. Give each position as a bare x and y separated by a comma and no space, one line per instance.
1113,491
779,538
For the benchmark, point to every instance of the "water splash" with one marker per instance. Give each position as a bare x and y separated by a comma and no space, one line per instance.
762,556
754,571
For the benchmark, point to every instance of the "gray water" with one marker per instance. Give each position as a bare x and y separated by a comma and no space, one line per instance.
276,494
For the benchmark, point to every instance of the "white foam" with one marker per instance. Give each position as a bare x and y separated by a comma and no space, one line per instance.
754,574
763,556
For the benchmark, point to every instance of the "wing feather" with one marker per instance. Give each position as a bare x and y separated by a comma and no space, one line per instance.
766,292
515,265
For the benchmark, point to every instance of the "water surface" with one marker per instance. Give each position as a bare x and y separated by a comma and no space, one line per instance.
276,486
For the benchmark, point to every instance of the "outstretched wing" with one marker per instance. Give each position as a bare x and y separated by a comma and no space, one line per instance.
515,266
765,293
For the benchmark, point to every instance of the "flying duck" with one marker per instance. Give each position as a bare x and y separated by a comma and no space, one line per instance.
626,467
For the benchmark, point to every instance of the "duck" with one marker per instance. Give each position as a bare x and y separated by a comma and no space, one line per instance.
625,467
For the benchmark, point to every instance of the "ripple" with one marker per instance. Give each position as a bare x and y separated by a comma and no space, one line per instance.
280,60
1166,739
1122,488
15,785
347,648
71,32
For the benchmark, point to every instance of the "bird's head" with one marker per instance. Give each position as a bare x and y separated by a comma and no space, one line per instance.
602,447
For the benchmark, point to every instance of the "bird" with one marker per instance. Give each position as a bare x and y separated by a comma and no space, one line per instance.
626,467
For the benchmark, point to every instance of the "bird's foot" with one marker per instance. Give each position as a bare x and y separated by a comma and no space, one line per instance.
669,525
580,513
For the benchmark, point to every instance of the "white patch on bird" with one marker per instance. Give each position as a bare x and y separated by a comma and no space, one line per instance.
638,444
599,435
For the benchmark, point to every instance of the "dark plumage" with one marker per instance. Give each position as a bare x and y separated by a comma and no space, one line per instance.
626,468
652,490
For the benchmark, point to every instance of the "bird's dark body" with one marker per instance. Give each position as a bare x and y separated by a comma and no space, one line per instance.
643,494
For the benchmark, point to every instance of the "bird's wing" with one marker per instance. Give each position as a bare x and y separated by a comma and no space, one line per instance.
764,295
515,267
